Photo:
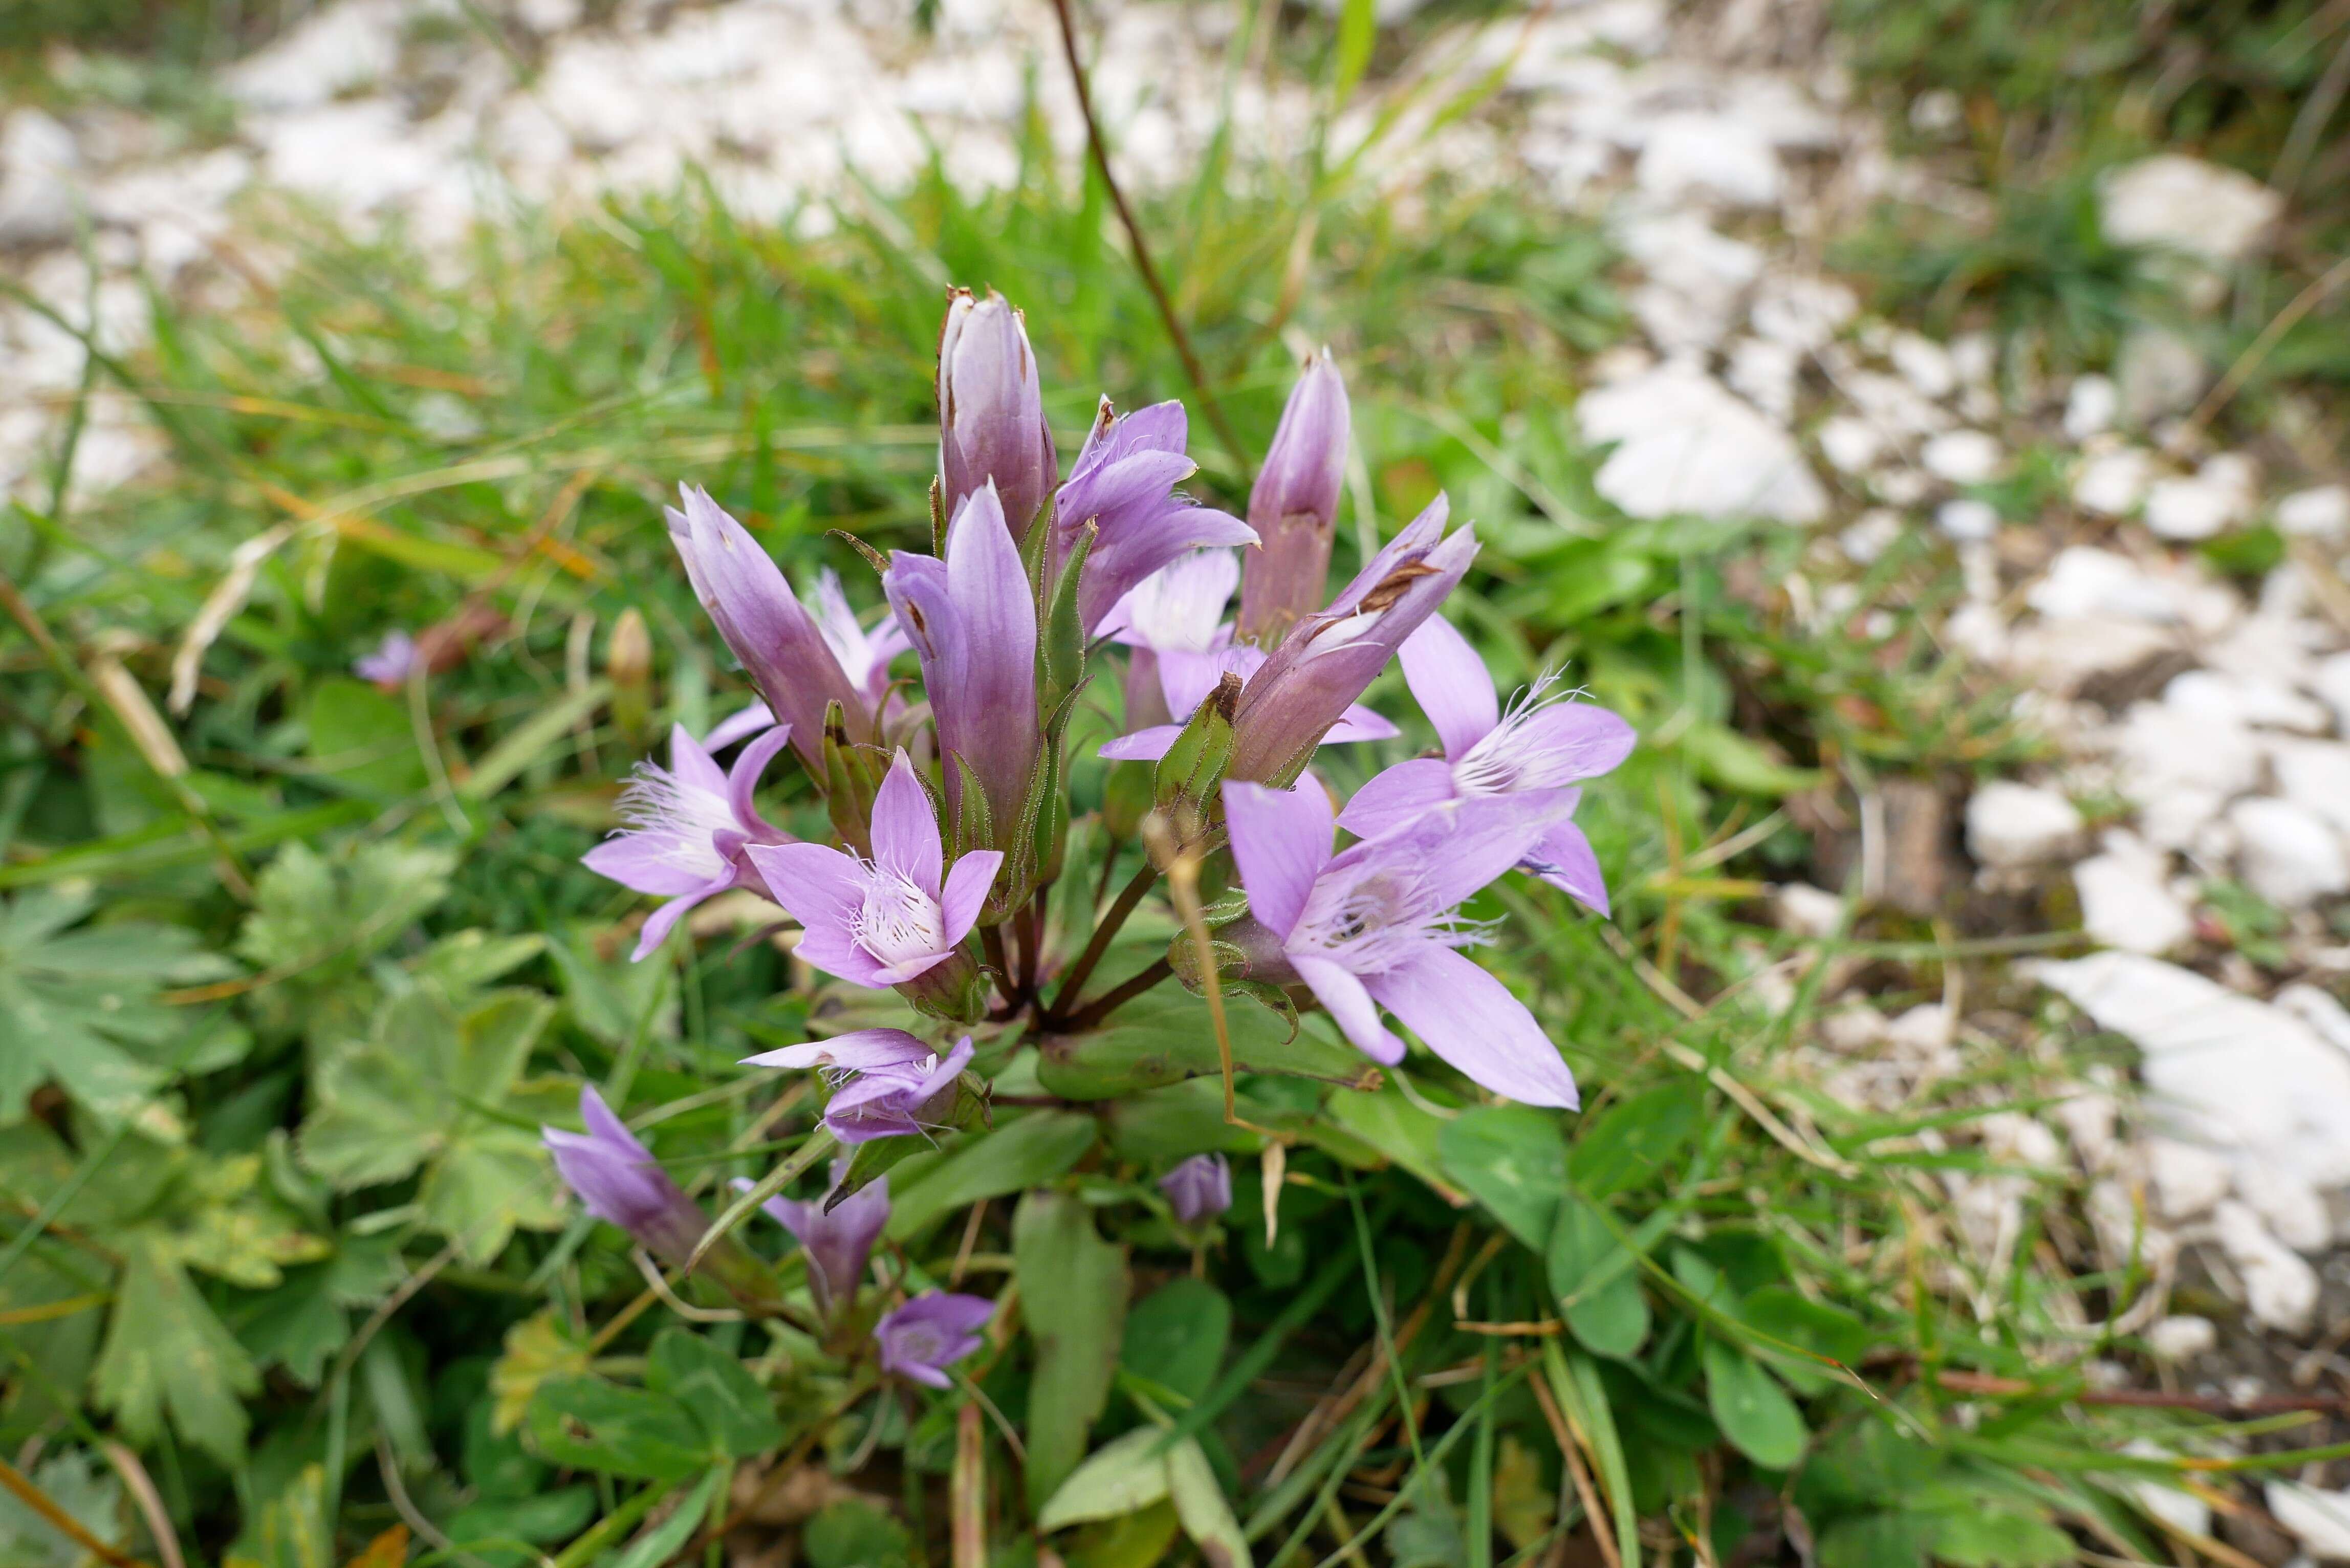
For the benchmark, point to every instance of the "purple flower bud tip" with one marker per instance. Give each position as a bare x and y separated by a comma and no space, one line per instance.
1199,1188
390,664
929,1333
1295,503
1123,483
838,1243
618,1181
992,409
887,1083
689,827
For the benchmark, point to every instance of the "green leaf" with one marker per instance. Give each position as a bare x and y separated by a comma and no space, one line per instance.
166,1351
436,1087
1125,1474
1020,1154
362,739
522,745
90,1497
1202,1507
1754,1412
1388,1125
659,1544
541,1520
79,1008
1878,1541
1723,756
738,1414
1625,1148
853,1534
1595,1281
308,908
1160,1127
1133,1540
1785,1313
613,999
594,1424
1072,1294
1511,1159
1358,31
1176,1336
1163,1037
1998,1534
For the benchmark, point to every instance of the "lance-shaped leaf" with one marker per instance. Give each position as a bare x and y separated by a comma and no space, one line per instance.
1162,1037
1194,766
1073,1292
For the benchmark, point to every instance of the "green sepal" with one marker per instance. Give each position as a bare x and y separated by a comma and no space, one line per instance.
1127,797
1194,766
974,826
1061,650
849,781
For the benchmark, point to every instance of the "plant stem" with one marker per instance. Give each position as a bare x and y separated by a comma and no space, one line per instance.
1192,369
1104,934
1093,1013
990,939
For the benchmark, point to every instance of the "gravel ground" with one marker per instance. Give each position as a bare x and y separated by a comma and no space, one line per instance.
2197,765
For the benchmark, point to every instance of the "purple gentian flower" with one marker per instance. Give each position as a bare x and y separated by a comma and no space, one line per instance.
864,655
929,1333
1377,926
971,619
838,1243
781,646
1123,483
991,427
1199,1188
618,1182
1322,666
390,664
887,920
1174,621
885,1083
1540,743
1295,504
689,828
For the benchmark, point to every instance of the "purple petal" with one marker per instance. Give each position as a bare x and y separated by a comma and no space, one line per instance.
1397,797
1281,840
1451,683
818,886
749,721
691,765
742,778
1340,991
1582,740
1186,677
658,924
1143,745
860,1050
642,861
1469,1018
905,832
1360,724
1564,860
966,891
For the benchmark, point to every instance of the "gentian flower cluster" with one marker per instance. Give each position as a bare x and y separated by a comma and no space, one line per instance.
945,738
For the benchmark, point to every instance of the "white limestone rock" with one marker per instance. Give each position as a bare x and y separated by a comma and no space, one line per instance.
2182,1337
2187,1180
2231,1071
1962,457
2090,404
2318,1520
2218,495
1966,520
2158,373
333,49
2011,825
2113,484
2322,513
2125,901
2291,855
1806,910
2279,1287
1696,156
2214,215
39,163
1685,444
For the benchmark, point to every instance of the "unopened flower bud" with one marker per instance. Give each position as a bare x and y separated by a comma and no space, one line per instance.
991,411
628,661
1294,506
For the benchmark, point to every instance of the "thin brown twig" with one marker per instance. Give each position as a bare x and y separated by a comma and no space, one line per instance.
1110,1001
1192,369
1603,1533
142,1487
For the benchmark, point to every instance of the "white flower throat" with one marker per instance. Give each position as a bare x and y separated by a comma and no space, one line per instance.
898,921
682,818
